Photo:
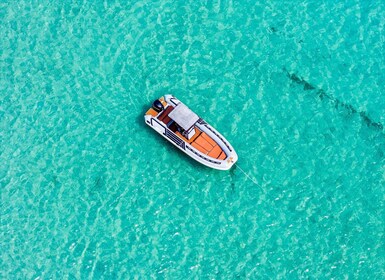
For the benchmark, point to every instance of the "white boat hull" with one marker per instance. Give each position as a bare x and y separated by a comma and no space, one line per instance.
183,144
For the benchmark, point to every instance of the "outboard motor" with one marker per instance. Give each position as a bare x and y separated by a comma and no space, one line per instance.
157,106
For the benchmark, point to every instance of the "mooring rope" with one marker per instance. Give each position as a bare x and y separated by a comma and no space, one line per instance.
248,176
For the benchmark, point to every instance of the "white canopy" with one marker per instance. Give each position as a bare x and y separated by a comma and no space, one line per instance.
183,116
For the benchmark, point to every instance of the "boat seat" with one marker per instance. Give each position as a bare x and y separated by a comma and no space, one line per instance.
222,156
166,119
215,152
164,115
172,126
204,143
208,139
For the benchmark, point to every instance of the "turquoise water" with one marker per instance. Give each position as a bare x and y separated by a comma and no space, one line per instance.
89,192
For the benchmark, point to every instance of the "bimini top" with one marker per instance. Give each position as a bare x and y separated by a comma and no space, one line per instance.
183,116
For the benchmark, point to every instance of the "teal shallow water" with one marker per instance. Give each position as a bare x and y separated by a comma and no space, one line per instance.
88,191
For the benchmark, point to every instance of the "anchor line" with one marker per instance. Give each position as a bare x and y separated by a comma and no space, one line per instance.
248,176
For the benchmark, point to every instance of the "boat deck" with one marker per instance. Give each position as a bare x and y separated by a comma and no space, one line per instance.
205,144
200,141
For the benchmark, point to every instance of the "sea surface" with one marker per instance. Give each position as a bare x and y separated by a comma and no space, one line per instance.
88,191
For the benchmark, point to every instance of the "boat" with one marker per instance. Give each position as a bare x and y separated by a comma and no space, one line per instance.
186,130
